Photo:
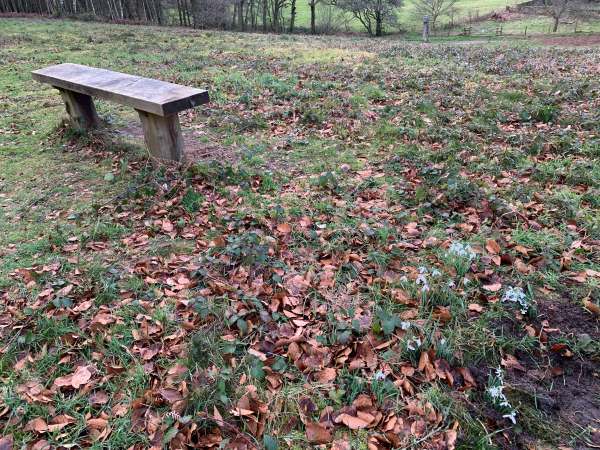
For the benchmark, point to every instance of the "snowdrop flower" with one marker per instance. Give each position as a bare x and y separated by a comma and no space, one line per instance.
461,250
517,295
413,344
495,391
379,376
511,416
435,273
405,325
422,280
422,270
451,284
498,397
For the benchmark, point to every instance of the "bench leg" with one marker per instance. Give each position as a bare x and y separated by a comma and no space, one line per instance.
163,136
81,109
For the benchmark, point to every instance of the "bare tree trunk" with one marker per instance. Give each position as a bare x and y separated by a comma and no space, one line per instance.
292,15
378,24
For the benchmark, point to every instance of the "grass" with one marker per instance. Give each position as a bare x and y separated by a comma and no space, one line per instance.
407,17
333,247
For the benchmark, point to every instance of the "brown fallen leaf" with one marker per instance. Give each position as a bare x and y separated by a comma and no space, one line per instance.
81,376
38,425
167,226
98,398
494,287
591,306
59,422
492,247
476,307
341,444
326,375
354,423
284,228
511,362
171,395
97,423
317,433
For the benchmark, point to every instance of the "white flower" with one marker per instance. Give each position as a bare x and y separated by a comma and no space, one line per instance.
413,344
405,325
435,273
495,391
461,250
517,295
511,416
379,375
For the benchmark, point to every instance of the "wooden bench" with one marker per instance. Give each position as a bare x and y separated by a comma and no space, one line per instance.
157,102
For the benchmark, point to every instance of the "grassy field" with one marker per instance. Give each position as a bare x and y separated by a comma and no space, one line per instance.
535,25
374,244
408,19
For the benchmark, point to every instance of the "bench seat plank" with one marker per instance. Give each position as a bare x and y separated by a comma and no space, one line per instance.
144,94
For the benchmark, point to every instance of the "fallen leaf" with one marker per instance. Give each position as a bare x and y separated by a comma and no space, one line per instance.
476,307
494,287
492,247
38,425
591,306
354,423
317,433
284,228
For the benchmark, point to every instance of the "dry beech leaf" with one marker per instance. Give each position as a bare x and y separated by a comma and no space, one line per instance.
317,433
591,306
476,307
38,425
326,375
284,228
78,378
354,423
492,247
494,287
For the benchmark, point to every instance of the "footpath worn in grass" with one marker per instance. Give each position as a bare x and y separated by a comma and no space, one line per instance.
375,245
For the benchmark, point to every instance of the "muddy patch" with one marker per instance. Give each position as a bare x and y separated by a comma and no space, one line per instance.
570,318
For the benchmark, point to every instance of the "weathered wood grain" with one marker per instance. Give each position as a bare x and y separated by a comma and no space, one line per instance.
163,136
144,94
81,109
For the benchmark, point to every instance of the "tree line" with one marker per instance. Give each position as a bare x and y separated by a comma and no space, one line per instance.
278,16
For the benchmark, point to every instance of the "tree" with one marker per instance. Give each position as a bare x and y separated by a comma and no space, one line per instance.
313,7
556,9
292,15
372,14
434,9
